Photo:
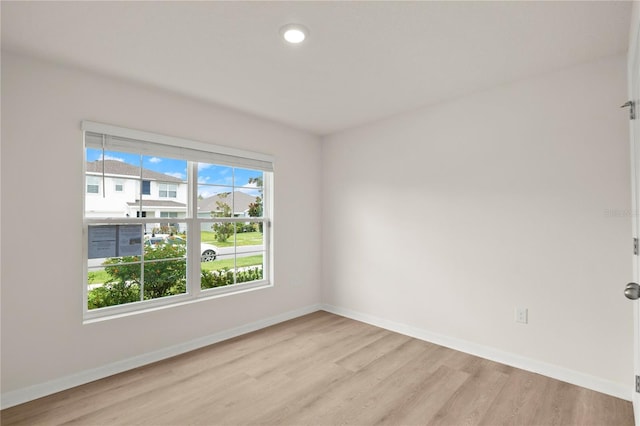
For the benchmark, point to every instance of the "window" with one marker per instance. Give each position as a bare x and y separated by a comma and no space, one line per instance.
93,185
168,190
118,186
171,228
218,239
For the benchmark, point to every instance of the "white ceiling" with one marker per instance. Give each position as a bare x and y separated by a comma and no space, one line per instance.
362,61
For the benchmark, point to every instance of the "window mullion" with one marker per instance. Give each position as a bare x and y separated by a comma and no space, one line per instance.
141,187
193,240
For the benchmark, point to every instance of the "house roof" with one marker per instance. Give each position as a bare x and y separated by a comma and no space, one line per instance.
241,201
120,168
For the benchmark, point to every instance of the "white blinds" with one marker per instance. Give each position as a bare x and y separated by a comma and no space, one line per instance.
113,138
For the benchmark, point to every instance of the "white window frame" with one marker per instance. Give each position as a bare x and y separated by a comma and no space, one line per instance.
93,179
167,188
169,215
118,183
156,144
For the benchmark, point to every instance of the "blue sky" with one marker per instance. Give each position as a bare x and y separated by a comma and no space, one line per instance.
210,177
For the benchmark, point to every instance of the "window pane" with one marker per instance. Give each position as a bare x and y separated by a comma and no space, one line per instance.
215,201
119,173
250,202
158,168
106,241
164,278
248,178
239,251
218,273
247,238
164,187
228,270
211,174
113,284
220,234
166,242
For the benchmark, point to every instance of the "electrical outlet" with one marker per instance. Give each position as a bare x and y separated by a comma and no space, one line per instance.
522,315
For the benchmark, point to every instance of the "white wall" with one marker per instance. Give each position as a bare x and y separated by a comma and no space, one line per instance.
43,338
445,219
635,22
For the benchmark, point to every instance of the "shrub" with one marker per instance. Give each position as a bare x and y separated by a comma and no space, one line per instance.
161,278
245,227
113,293
224,277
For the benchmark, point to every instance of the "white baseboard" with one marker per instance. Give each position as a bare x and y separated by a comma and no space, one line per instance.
554,371
19,396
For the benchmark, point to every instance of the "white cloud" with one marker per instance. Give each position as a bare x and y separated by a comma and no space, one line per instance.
222,181
110,157
155,160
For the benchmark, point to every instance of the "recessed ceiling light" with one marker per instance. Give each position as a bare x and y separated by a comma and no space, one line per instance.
294,33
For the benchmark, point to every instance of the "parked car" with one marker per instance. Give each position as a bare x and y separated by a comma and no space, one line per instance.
208,251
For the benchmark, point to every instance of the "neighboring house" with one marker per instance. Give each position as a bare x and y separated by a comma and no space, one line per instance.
117,190
238,201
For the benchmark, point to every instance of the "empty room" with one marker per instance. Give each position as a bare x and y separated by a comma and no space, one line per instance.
322,213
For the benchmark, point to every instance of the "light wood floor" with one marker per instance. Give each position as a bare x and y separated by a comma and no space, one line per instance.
324,369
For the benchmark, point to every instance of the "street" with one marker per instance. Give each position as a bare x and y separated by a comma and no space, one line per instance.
223,252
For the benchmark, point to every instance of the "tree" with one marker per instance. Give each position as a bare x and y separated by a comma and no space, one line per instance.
258,181
255,208
222,230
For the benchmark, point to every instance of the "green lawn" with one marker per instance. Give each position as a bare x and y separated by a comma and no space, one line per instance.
243,239
101,276
228,263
